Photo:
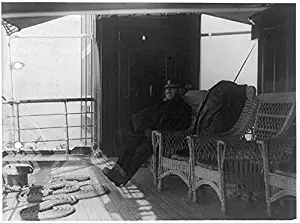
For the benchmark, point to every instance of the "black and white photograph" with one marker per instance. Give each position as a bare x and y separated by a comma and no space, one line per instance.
148,110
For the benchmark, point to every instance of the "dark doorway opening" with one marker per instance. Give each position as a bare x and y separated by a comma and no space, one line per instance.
147,70
138,54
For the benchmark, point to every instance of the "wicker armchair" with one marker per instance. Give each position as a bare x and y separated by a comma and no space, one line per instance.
276,113
245,160
165,143
205,148
278,183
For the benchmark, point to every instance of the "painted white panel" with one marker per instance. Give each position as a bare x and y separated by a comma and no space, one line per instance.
52,70
223,56
215,24
64,26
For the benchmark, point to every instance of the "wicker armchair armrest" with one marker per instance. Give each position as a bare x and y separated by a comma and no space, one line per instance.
173,133
284,144
236,152
241,150
171,141
272,151
277,151
205,147
228,139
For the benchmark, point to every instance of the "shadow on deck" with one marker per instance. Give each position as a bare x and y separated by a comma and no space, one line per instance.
139,199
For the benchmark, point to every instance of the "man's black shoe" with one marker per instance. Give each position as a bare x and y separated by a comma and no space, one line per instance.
114,176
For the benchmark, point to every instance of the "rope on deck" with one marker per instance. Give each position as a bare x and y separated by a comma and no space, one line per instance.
55,199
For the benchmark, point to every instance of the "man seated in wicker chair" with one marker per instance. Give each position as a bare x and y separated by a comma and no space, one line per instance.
171,114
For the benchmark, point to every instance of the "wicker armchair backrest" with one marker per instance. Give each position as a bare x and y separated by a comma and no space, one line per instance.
247,117
276,112
195,99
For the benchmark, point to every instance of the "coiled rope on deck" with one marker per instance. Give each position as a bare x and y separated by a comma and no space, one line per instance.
55,199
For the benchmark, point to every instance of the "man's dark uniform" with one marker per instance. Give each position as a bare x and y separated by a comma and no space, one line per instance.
171,115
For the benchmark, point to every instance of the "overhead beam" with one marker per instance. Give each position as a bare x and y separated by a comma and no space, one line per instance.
12,10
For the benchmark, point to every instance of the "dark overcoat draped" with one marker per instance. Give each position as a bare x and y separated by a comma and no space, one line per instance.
221,108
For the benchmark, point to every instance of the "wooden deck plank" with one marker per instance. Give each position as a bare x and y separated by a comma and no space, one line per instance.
9,203
12,210
139,199
94,206
209,206
81,211
183,206
156,201
120,203
130,199
39,157
184,202
71,217
130,191
123,205
16,214
208,202
96,209
116,215
160,208
111,208
135,207
169,198
175,186
8,198
103,201
91,206
140,206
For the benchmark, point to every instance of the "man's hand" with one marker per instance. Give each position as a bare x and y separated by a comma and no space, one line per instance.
147,133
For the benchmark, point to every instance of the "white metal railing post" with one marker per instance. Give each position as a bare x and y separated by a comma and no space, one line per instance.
18,122
67,126
85,78
81,75
92,73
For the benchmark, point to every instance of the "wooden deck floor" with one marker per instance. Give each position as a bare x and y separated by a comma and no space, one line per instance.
139,199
